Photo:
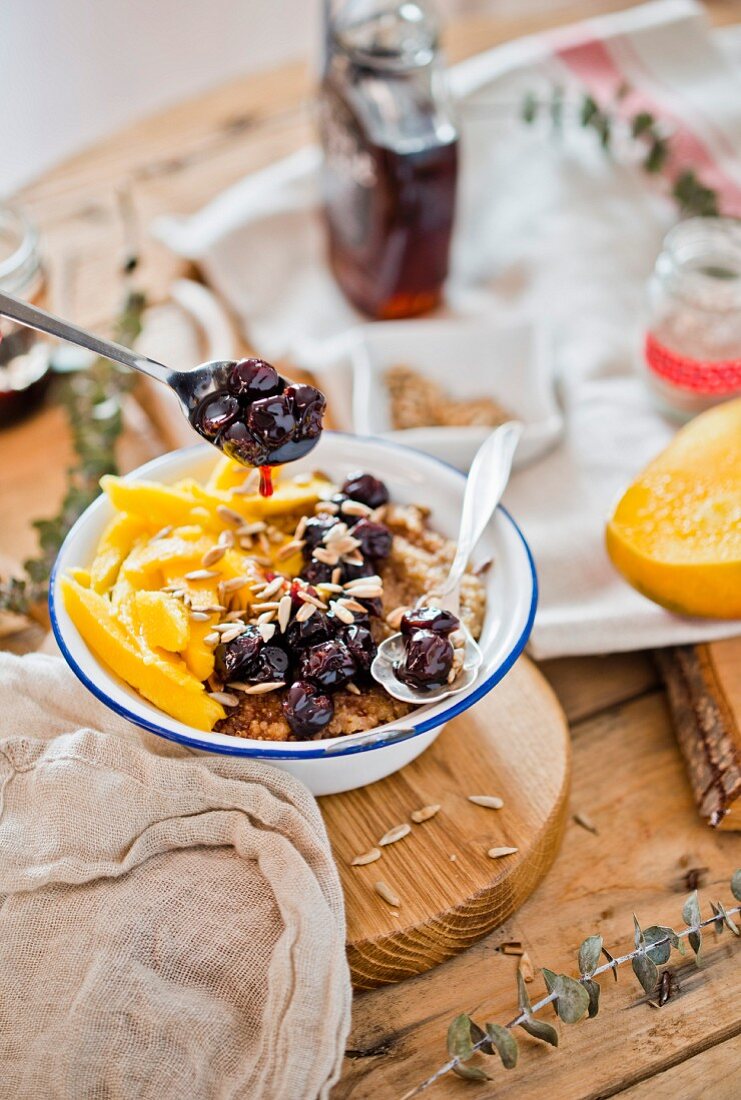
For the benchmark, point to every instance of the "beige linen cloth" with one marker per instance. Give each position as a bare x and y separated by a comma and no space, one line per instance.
168,927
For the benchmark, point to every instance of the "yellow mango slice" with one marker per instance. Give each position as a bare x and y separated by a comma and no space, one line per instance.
82,576
144,566
288,497
676,533
158,505
163,620
115,543
227,475
163,680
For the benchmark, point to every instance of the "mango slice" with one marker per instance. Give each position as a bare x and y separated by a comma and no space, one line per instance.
157,505
676,533
162,679
163,620
115,543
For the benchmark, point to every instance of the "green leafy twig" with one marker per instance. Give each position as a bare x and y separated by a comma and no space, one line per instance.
648,135
93,400
573,998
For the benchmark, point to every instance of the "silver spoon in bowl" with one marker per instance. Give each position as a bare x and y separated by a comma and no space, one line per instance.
486,482
192,387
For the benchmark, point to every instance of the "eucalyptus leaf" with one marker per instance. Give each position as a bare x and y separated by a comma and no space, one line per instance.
505,1042
550,978
637,934
589,954
736,884
659,954
480,1041
646,972
471,1073
523,999
718,923
695,941
572,1000
539,1029
611,961
729,922
593,991
691,910
459,1037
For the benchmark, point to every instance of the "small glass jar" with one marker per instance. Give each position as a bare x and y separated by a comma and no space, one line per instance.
692,347
24,354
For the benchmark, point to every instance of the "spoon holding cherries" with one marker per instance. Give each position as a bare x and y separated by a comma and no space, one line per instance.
418,664
244,408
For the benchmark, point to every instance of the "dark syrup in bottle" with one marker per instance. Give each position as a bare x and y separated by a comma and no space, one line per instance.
391,157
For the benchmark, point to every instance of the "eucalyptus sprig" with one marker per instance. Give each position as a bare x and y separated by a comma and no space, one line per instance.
93,400
648,135
573,998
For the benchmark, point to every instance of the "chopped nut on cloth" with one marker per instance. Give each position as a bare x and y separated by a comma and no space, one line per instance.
168,927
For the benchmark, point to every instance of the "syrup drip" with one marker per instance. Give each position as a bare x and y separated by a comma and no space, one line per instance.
266,481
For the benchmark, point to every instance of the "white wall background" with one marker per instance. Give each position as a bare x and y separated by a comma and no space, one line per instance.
74,70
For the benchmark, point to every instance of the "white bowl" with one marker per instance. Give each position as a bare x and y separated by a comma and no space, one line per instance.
331,764
468,358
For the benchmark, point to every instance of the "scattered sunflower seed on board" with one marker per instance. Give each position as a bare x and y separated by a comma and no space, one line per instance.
384,890
366,857
497,853
489,801
424,814
526,967
395,834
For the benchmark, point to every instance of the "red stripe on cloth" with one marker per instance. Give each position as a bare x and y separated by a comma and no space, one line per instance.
591,62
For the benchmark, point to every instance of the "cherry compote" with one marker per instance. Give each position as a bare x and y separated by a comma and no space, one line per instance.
259,419
234,659
307,709
429,618
427,661
367,489
329,665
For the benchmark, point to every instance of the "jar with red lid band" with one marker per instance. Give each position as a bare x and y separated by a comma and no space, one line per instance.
692,348
24,354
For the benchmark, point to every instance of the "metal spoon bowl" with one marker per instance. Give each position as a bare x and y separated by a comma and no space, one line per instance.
486,482
191,386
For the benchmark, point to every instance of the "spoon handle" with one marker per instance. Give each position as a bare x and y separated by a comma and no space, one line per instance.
33,317
486,482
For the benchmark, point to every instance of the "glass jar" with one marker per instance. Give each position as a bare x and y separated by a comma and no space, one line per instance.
390,155
24,354
692,348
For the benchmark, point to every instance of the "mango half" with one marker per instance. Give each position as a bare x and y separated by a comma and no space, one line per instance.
675,534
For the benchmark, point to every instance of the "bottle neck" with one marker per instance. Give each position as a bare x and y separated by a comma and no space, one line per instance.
385,35
700,264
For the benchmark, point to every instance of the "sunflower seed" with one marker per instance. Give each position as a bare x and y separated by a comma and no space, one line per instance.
336,575
267,630
266,617
289,549
342,613
526,967
452,675
235,617
586,823
216,553
234,632
355,508
325,556
202,574
214,608
327,586
360,581
266,605
235,583
395,834
305,611
367,857
302,479
162,533
226,538
490,801
353,605
457,639
271,589
171,588
229,515
308,598
497,853
262,689
199,617
246,544
352,688
384,890
250,529
365,591
300,527
394,617
212,639
224,698
418,816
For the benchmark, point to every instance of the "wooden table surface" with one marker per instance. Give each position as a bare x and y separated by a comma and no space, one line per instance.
628,775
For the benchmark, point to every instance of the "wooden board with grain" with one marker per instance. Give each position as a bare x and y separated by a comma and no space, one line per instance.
514,744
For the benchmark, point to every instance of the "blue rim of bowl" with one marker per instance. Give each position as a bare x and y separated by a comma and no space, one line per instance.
327,752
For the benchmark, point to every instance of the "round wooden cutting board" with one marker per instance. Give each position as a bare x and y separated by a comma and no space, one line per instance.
513,744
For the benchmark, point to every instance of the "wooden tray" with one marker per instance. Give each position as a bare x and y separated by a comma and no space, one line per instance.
514,744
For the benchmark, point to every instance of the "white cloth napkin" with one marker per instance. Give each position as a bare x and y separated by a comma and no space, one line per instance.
551,231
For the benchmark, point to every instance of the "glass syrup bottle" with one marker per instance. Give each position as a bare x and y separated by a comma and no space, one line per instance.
390,155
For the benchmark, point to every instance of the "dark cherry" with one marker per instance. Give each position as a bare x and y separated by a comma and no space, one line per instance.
319,628
429,618
361,644
353,572
367,489
232,658
216,413
271,421
241,445
315,530
307,709
428,660
374,607
317,572
328,665
309,406
270,665
251,379
375,539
